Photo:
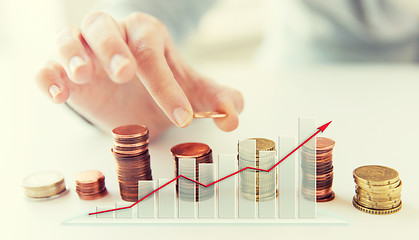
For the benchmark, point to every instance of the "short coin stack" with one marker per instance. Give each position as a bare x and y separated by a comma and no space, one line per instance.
323,164
90,185
202,154
378,190
44,185
265,188
133,160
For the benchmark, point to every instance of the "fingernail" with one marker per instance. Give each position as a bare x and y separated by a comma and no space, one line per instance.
54,90
74,63
117,63
182,116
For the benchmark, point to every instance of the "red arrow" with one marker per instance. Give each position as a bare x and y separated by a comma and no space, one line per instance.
320,129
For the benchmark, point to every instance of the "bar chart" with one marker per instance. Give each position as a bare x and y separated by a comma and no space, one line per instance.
235,188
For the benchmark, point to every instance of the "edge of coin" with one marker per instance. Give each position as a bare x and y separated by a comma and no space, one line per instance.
376,212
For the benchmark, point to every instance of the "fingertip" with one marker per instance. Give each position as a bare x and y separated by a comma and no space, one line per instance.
226,105
58,94
50,82
182,117
229,123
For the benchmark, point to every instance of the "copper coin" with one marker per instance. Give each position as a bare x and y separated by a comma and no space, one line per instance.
94,196
209,115
130,131
324,143
190,150
90,185
327,199
89,176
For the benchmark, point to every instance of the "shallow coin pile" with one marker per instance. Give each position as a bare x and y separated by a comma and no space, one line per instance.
202,154
132,158
90,185
265,185
378,190
44,185
320,161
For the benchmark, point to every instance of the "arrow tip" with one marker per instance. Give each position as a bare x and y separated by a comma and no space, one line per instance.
324,126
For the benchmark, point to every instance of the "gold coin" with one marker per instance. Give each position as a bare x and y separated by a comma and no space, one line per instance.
361,199
263,144
376,175
377,206
378,188
381,190
376,211
377,197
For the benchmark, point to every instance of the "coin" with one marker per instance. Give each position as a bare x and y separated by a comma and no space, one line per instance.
317,166
130,131
90,185
190,150
376,175
388,193
209,115
376,211
131,153
202,154
377,190
264,188
44,185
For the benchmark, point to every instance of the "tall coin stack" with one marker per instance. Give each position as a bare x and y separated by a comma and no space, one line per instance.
202,154
90,185
265,181
378,190
323,166
132,158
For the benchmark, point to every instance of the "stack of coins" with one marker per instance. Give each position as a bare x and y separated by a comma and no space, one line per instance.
44,185
320,161
132,158
378,190
265,186
202,154
90,185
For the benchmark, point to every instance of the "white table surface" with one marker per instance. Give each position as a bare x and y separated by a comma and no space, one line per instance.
375,117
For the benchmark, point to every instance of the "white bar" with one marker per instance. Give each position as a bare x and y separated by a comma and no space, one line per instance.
307,196
247,179
187,188
267,185
287,179
106,214
206,202
146,207
227,202
124,213
167,199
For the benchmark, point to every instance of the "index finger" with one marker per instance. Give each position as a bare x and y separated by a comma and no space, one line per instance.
146,39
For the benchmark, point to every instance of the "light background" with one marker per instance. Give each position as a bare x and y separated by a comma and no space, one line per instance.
374,109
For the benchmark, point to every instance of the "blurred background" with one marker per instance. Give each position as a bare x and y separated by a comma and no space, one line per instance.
231,36
227,36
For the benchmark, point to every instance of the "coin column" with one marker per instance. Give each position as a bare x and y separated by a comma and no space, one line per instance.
202,154
378,190
264,182
323,166
132,158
